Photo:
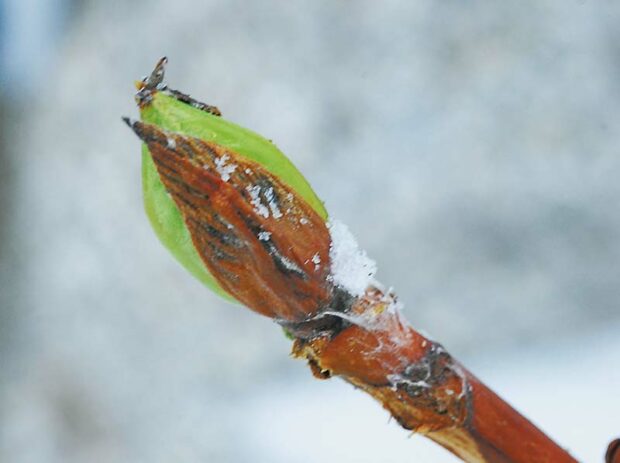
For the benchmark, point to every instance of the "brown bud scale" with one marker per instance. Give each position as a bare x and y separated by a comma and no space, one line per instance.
257,237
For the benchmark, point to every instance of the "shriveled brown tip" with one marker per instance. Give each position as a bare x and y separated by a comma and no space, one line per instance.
154,82
139,128
157,75
184,98
151,84
129,121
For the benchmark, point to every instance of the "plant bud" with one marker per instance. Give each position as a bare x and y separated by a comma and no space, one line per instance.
231,207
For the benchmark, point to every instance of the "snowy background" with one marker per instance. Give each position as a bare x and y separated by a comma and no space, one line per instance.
472,147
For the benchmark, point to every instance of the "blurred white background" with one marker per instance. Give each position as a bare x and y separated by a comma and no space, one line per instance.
472,147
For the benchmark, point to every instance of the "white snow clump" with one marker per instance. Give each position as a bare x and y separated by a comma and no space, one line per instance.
351,268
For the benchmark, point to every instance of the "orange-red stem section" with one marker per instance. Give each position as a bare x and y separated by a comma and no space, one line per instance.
422,386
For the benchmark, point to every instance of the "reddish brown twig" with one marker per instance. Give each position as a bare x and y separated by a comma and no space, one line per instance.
422,386
271,251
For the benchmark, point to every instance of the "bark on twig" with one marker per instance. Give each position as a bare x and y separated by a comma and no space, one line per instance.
424,388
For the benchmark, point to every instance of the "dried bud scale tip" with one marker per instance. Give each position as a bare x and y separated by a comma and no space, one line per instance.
157,76
154,82
128,121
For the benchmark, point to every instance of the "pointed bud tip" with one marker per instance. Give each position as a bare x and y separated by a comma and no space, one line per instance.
129,121
136,126
152,83
157,75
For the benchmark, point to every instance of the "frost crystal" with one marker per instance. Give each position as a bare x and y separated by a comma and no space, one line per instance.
255,198
259,207
288,264
223,169
351,268
275,211
171,144
316,260
264,236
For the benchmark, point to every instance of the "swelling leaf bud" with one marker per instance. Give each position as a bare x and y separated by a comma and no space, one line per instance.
231,207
